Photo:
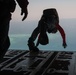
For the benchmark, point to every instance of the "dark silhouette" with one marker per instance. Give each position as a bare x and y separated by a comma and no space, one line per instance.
7,7
49,22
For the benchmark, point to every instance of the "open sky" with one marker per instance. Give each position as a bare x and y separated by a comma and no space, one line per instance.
65,8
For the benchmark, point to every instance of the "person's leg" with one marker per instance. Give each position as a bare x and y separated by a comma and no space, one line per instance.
5,48
4,39
31,40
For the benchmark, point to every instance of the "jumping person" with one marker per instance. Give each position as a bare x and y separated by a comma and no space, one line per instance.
49,22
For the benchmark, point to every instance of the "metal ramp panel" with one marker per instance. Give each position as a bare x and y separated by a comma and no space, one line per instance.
23,62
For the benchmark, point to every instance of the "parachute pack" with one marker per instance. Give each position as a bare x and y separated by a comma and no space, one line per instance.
47,23
51,19
51,11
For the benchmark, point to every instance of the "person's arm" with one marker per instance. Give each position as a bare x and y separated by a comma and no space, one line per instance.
62,34
23,5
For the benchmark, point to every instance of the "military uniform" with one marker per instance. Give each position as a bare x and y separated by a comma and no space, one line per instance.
49,22
6,8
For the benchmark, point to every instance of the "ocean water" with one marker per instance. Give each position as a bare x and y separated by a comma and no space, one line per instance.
19,35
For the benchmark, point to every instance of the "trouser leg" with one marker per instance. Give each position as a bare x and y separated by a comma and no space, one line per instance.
31,40
4,38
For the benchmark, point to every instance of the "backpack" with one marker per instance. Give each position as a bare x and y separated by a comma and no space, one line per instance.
51,19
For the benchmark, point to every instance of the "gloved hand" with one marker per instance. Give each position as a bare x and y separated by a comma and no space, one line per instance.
25,12
64,45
